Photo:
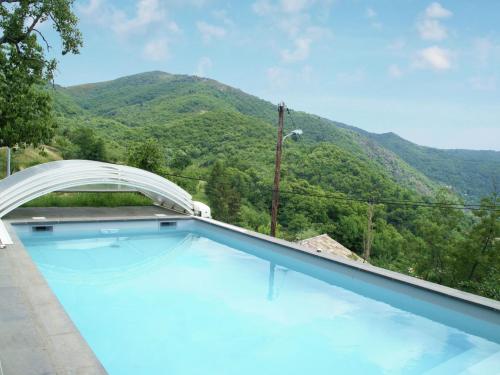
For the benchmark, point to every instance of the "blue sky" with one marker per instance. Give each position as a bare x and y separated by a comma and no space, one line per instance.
429,71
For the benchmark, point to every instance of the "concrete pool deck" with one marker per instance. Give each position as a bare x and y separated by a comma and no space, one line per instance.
36,335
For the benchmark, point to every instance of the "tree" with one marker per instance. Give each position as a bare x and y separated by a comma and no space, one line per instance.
478,257
180,160
224,198
25,104
87,145
441,229
146,155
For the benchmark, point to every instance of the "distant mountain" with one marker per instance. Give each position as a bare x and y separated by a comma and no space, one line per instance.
157,104
471,173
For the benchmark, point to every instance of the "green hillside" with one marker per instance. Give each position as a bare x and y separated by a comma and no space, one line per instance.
151,101
180,125
470,173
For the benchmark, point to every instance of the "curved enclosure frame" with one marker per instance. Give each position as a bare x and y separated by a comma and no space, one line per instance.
31,183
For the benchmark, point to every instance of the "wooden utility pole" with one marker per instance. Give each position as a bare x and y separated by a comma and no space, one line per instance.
277,169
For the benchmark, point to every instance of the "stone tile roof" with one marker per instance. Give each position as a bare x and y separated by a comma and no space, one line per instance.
324,243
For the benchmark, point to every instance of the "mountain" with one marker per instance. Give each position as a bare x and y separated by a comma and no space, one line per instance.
151,102
471,173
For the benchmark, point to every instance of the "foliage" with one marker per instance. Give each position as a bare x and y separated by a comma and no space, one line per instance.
477,258
470,173
223,193
25,157
90,200
85,144
25,104
146,155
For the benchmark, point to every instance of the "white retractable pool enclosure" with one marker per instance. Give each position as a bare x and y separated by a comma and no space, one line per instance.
42,179
34,182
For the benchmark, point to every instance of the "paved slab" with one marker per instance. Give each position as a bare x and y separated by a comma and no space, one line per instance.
86,213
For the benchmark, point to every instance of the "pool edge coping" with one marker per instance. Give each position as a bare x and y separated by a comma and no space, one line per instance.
60,344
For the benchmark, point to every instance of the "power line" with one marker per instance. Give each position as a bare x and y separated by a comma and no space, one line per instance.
396,203
186,177
456,206
291,117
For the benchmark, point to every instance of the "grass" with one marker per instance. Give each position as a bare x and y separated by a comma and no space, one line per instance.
90,200
27,157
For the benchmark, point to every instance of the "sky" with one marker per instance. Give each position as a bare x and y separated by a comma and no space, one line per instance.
428,71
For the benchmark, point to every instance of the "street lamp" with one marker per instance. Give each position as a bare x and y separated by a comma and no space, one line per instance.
277,168
294,134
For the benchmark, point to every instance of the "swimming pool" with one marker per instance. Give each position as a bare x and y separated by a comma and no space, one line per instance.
186,297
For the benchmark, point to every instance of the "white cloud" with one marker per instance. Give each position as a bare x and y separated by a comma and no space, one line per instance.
397,45
395,71
295,6
204,65
318,33
483,48
370,13
484,83
279,78
429,25
222,16
293,18
150,16
209,32
435,58
301,51
156,50
354,77
436,10
173,27
148,12
293,24
91,8
263,7
430,29
303,42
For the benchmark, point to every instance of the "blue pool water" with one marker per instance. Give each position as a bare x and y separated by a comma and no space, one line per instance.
196,300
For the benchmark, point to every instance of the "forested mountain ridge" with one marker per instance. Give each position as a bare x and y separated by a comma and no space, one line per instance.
156,99
332,178
471,173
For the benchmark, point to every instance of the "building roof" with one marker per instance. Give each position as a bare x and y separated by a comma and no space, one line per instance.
325,244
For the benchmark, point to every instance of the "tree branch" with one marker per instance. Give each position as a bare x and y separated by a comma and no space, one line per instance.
45,40
32,26
7,39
